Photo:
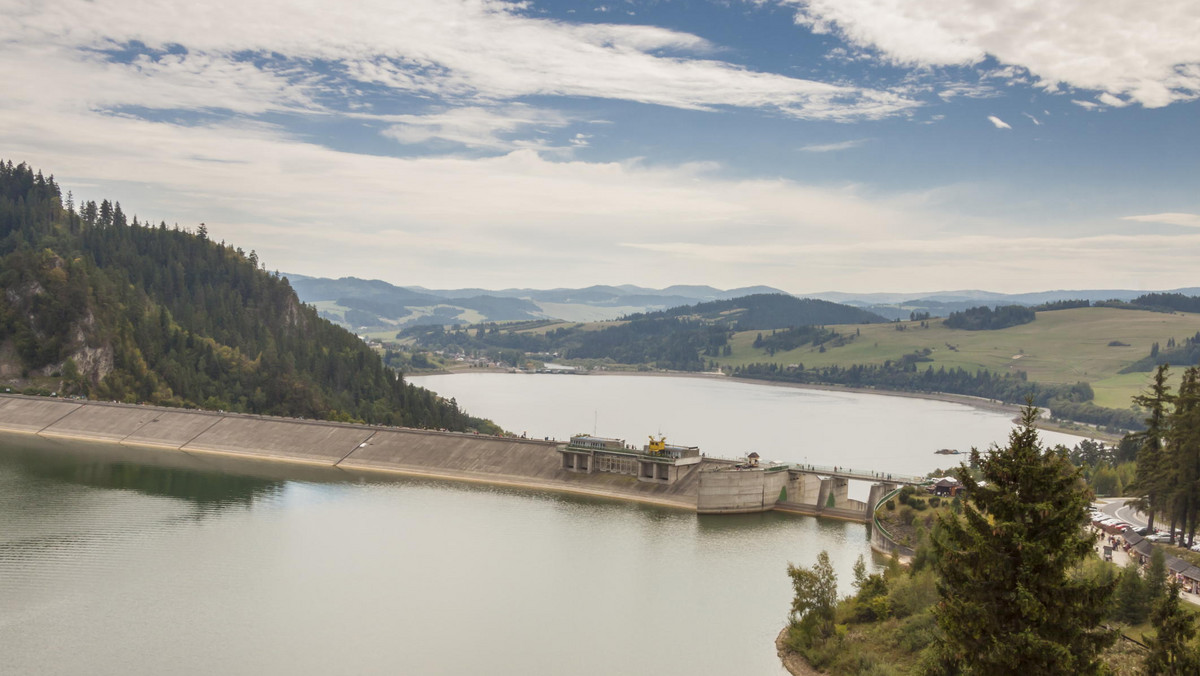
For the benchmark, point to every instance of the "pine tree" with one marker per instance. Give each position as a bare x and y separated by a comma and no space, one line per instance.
1170,653
1130,598
1182,456
1156,577
1151,475
1010,603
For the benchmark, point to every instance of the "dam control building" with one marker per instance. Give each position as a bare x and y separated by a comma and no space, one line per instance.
657,461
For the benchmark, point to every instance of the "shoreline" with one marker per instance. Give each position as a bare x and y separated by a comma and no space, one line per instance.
793,662
966,400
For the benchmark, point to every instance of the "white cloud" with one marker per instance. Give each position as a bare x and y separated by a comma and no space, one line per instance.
1087,105
1142,52
1110,100
833,147
1190,220
1000,124
1035,121
952,90
482,50
476,127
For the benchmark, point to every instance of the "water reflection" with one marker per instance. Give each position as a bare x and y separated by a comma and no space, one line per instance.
257,556
155,473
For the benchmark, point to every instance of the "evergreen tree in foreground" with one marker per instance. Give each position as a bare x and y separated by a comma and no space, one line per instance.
1011,602
1169,650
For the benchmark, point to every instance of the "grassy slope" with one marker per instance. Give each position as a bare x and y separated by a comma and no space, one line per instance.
1064,346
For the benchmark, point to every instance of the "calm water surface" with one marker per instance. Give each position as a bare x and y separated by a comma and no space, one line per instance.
124,561
731,418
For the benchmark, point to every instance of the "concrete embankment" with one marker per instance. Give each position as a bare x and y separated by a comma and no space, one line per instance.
449,455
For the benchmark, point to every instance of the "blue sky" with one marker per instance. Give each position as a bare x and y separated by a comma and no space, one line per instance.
851,145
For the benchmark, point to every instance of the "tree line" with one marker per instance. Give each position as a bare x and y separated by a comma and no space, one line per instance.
1073,402
984,318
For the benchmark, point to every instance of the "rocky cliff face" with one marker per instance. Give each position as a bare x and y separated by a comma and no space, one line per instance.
36,304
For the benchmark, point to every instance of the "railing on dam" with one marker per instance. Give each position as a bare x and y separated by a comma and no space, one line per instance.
721,464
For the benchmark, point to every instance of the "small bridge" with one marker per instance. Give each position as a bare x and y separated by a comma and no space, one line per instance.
815,490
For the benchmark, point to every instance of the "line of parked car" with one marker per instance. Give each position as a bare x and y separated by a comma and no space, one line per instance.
1114,526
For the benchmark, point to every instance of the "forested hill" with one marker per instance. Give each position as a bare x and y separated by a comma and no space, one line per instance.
767,311
97,304
685,338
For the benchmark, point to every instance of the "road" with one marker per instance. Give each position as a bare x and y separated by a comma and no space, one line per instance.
1115,507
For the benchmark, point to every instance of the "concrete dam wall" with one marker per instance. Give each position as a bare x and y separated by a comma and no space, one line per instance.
712,486
450,455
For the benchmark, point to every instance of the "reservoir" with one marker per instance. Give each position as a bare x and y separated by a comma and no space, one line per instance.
730,418
116,560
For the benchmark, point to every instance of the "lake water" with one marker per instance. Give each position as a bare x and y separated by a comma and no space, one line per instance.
732,418
127,561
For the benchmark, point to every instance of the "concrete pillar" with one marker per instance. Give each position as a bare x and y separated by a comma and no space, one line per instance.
839,488
877,492
833,493
803,488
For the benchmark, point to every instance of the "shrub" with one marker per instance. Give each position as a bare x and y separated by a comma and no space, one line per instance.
891,505
912,594
917,633
907,514
935,501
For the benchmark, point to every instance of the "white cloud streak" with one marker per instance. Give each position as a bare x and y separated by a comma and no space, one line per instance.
833,147
484,50
1189,220
1000,124
1136,52
476,127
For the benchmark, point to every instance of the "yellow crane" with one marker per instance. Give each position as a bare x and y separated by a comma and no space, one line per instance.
656,446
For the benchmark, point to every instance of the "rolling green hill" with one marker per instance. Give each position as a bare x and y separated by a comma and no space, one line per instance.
682,338
1091,345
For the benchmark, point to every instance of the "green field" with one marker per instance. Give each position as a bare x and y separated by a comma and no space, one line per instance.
1064,346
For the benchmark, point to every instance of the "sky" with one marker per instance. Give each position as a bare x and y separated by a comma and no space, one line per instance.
809,145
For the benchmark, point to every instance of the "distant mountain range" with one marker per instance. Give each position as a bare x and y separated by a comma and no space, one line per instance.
373,305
